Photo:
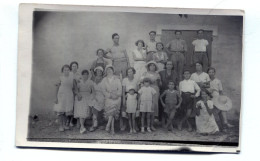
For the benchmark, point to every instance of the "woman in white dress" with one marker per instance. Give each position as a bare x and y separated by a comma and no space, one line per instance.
139,56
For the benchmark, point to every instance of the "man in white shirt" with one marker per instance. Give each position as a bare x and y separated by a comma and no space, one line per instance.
200,50
189,91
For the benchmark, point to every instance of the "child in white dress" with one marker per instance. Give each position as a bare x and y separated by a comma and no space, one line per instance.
147,96
131,108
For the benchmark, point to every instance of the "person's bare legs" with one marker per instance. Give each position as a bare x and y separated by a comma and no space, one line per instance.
152,121
112,126
130,122
188,113
61,122
82,126
142,121
171,117
133,123
149,121
108,126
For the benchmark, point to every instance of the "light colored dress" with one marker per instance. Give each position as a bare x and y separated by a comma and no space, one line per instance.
82,107
139,66
99,99
205,122
160,56
65,96
146,97
130,83
112,86
154,77
131,103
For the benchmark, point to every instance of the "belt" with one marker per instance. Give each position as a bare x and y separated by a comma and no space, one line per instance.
200,52
119,59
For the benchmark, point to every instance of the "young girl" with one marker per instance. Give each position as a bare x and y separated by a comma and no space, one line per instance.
216,90
147,96
83,101
172,97
160,57
131,108
205,121
65,97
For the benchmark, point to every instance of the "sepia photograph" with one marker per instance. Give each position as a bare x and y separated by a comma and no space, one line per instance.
129,78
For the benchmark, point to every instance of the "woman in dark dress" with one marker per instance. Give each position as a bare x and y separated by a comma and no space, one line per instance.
167,75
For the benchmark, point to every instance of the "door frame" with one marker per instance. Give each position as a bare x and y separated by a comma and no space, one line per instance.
213,28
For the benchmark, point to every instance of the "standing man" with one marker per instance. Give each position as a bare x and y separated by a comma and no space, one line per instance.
200,50
120,61
177,49
119,57
151,46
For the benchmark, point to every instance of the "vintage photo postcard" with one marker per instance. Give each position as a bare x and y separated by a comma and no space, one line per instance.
129,78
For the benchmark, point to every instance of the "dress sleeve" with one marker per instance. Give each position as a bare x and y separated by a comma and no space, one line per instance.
194,42
180,86
207,77
220,87
206,42
185,47
165,56
140,91
124,82
104,90
153,91
210,104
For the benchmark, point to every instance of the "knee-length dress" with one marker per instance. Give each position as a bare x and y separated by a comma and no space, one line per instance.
82,107
131,103
65,95
205,122
146,97
99,99
139,66
112,86
154,77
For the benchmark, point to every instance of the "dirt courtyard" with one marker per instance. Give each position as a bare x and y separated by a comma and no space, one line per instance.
46,129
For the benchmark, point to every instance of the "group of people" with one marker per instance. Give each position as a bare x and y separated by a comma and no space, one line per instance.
155,89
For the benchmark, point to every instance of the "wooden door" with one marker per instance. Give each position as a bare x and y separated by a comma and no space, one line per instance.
188,36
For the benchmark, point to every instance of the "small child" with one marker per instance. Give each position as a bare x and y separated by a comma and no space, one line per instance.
172,97
216,89
205,120
187,89
147,96
64,97
131,108
83,100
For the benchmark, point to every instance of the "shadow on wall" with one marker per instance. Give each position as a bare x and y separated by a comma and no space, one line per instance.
62,37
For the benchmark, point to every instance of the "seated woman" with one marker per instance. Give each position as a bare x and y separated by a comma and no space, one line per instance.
112,89
200,77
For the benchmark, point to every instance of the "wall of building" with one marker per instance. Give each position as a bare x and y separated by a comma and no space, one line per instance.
60,38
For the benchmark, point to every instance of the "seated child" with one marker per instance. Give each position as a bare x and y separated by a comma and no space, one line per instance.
205,120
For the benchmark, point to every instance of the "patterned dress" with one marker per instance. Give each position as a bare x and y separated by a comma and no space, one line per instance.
99,99
65,96
82,107
112,86
160,56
